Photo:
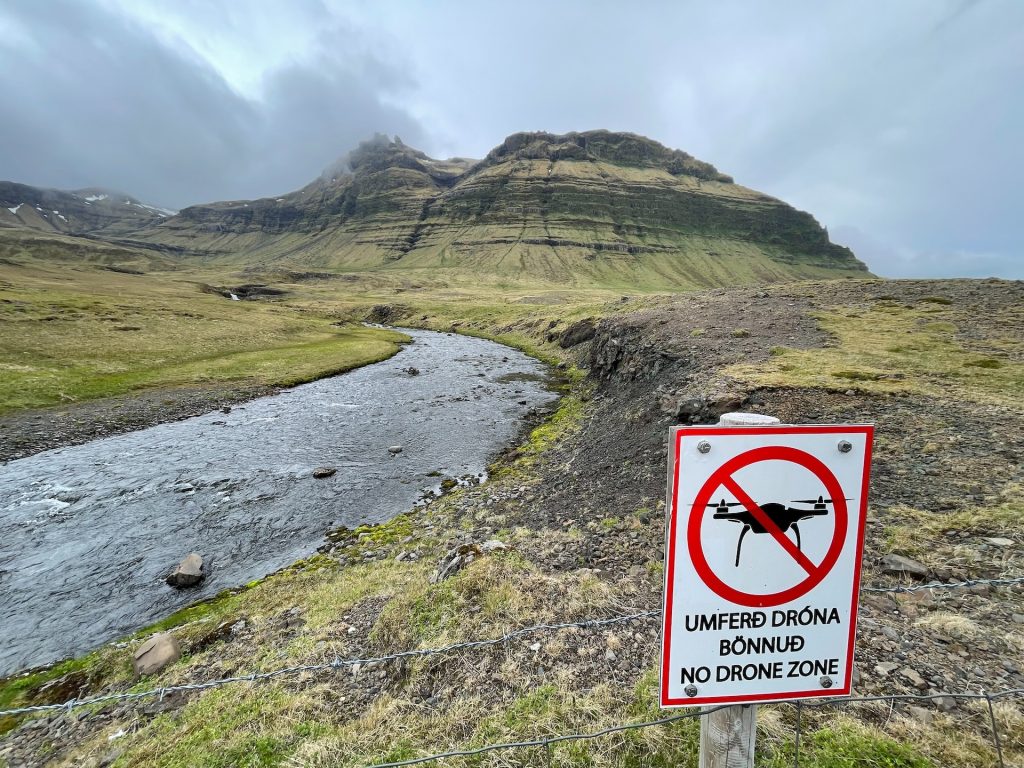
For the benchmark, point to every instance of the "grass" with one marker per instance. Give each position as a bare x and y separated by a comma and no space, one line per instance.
77,334
921,534
895,348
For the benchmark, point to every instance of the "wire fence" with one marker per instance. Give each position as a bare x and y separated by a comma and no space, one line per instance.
548,742
339,663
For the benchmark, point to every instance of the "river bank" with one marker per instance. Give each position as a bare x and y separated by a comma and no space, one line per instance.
578,507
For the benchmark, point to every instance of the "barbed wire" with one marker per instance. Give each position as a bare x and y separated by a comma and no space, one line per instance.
336,663
698,712
339,663
947,585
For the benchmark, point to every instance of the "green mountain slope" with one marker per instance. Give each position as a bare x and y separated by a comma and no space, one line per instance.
583,209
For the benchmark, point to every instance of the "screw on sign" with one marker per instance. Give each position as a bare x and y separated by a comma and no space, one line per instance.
763,549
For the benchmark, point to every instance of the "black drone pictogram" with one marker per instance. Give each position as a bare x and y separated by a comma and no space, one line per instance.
785,517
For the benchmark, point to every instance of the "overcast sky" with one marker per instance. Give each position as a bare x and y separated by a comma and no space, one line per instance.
900,126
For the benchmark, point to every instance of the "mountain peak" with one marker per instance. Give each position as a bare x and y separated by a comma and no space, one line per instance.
618,148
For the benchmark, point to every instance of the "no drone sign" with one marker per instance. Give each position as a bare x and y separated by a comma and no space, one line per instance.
764,540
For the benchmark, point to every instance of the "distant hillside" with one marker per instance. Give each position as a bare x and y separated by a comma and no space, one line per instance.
81,211
584,209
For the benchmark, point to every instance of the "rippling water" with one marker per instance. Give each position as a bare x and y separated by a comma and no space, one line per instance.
88,533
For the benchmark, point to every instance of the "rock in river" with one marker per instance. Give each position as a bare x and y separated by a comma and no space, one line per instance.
156,653
189,572
395,449
321,472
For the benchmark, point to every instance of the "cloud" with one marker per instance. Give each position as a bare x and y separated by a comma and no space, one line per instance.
94,98
901,261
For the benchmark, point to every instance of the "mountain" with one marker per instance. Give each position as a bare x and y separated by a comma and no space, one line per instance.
79,212
597,208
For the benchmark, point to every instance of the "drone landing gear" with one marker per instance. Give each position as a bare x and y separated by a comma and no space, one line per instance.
739,544
796,530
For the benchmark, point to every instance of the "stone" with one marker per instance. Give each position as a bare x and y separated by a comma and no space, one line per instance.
690,408
921,715
156,653
493,545
891,633
321,472
1017,618
998,541
454,561
911,675
904,566
885,668
189,571
945,703
394,450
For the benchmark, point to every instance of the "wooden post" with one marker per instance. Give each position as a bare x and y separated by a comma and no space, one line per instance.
727,735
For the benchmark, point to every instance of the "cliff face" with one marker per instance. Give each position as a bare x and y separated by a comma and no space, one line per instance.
599,208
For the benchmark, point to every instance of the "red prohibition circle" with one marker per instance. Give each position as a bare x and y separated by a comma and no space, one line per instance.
725,472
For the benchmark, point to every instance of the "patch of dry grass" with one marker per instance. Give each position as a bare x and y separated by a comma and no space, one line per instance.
891,348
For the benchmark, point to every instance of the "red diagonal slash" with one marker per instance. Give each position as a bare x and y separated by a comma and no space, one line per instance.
771,527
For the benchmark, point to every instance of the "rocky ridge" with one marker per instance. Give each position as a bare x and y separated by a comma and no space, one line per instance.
78,212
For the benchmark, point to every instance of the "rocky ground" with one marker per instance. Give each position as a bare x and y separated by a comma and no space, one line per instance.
582,522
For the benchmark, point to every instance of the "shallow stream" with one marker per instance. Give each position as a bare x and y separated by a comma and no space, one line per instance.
88,533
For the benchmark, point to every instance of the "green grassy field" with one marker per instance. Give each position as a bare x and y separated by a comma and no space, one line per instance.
72,330
82,320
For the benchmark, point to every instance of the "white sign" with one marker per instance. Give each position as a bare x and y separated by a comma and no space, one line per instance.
762,562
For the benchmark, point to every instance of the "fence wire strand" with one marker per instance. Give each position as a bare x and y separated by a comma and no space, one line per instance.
338,663
694,713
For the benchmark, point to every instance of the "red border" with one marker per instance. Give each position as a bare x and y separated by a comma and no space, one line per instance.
670,556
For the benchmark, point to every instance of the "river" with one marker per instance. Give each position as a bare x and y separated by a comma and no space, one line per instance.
88,533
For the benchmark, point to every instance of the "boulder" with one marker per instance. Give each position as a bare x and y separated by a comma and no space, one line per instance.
904,566
394,450
156,653
322,472
189,572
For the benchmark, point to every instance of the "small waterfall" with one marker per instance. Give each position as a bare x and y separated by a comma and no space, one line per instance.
234,297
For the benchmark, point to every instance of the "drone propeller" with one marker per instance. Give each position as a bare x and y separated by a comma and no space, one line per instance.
818,500
724,503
